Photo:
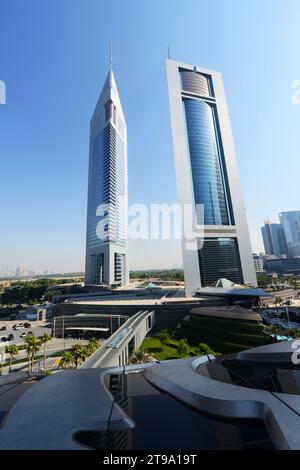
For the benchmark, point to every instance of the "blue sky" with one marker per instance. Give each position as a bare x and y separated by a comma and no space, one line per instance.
54,59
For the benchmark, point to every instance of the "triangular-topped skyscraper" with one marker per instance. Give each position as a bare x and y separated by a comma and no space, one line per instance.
106,239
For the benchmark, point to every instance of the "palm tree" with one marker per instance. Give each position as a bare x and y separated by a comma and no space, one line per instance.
13,351
293,333
32,346
79,354
92,346
66,360
274,330
140,356
43,340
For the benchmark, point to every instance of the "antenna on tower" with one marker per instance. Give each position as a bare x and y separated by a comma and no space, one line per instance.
169,55
110,55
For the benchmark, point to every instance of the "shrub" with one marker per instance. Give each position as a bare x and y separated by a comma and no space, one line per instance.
164,337
183,347
204,348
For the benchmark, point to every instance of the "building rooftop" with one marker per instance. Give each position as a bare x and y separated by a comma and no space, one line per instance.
233,312
140,406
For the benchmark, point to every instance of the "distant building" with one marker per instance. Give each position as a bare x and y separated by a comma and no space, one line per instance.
274,239
18,272
283,266
106,238
38,312
207,175
258,262
291,225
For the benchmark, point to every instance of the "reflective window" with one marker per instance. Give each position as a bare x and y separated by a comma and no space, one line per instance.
98,268
195,82
218,258
208,171
107,185
118,265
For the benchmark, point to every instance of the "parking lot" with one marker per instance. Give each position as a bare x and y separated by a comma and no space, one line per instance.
38,328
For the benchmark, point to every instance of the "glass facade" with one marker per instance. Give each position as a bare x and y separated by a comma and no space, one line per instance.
118,266
219,258
291,225
107,186
98,268
274,239
207,166
196,83
283,266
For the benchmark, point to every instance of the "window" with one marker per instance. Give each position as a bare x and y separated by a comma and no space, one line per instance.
219,257
207,163
196,83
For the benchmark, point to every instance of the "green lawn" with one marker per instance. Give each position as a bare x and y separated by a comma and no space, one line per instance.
162,352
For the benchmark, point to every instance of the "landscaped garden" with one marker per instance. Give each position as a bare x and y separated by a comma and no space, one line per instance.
164,347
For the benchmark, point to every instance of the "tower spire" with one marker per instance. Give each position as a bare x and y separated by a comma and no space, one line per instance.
110,56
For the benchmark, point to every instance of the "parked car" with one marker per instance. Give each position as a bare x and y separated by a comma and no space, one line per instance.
10,337
29,333
3,339
27,325
23,335
3,328
16,327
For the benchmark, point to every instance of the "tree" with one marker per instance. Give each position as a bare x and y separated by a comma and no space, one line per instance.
293,333
92,346
183,347
44,340
263,280
79,354
274,330
140,356
66,360
205,349
277,301
13,351
32,346
164,337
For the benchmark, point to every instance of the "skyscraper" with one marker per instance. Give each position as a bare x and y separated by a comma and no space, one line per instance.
274,239
207,174
106,238
291,224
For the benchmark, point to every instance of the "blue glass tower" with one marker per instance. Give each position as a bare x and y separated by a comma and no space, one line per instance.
291,225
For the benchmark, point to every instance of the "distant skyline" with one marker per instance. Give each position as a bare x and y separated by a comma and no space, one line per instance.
53,60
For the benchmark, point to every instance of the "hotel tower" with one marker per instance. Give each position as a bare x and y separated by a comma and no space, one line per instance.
106,238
